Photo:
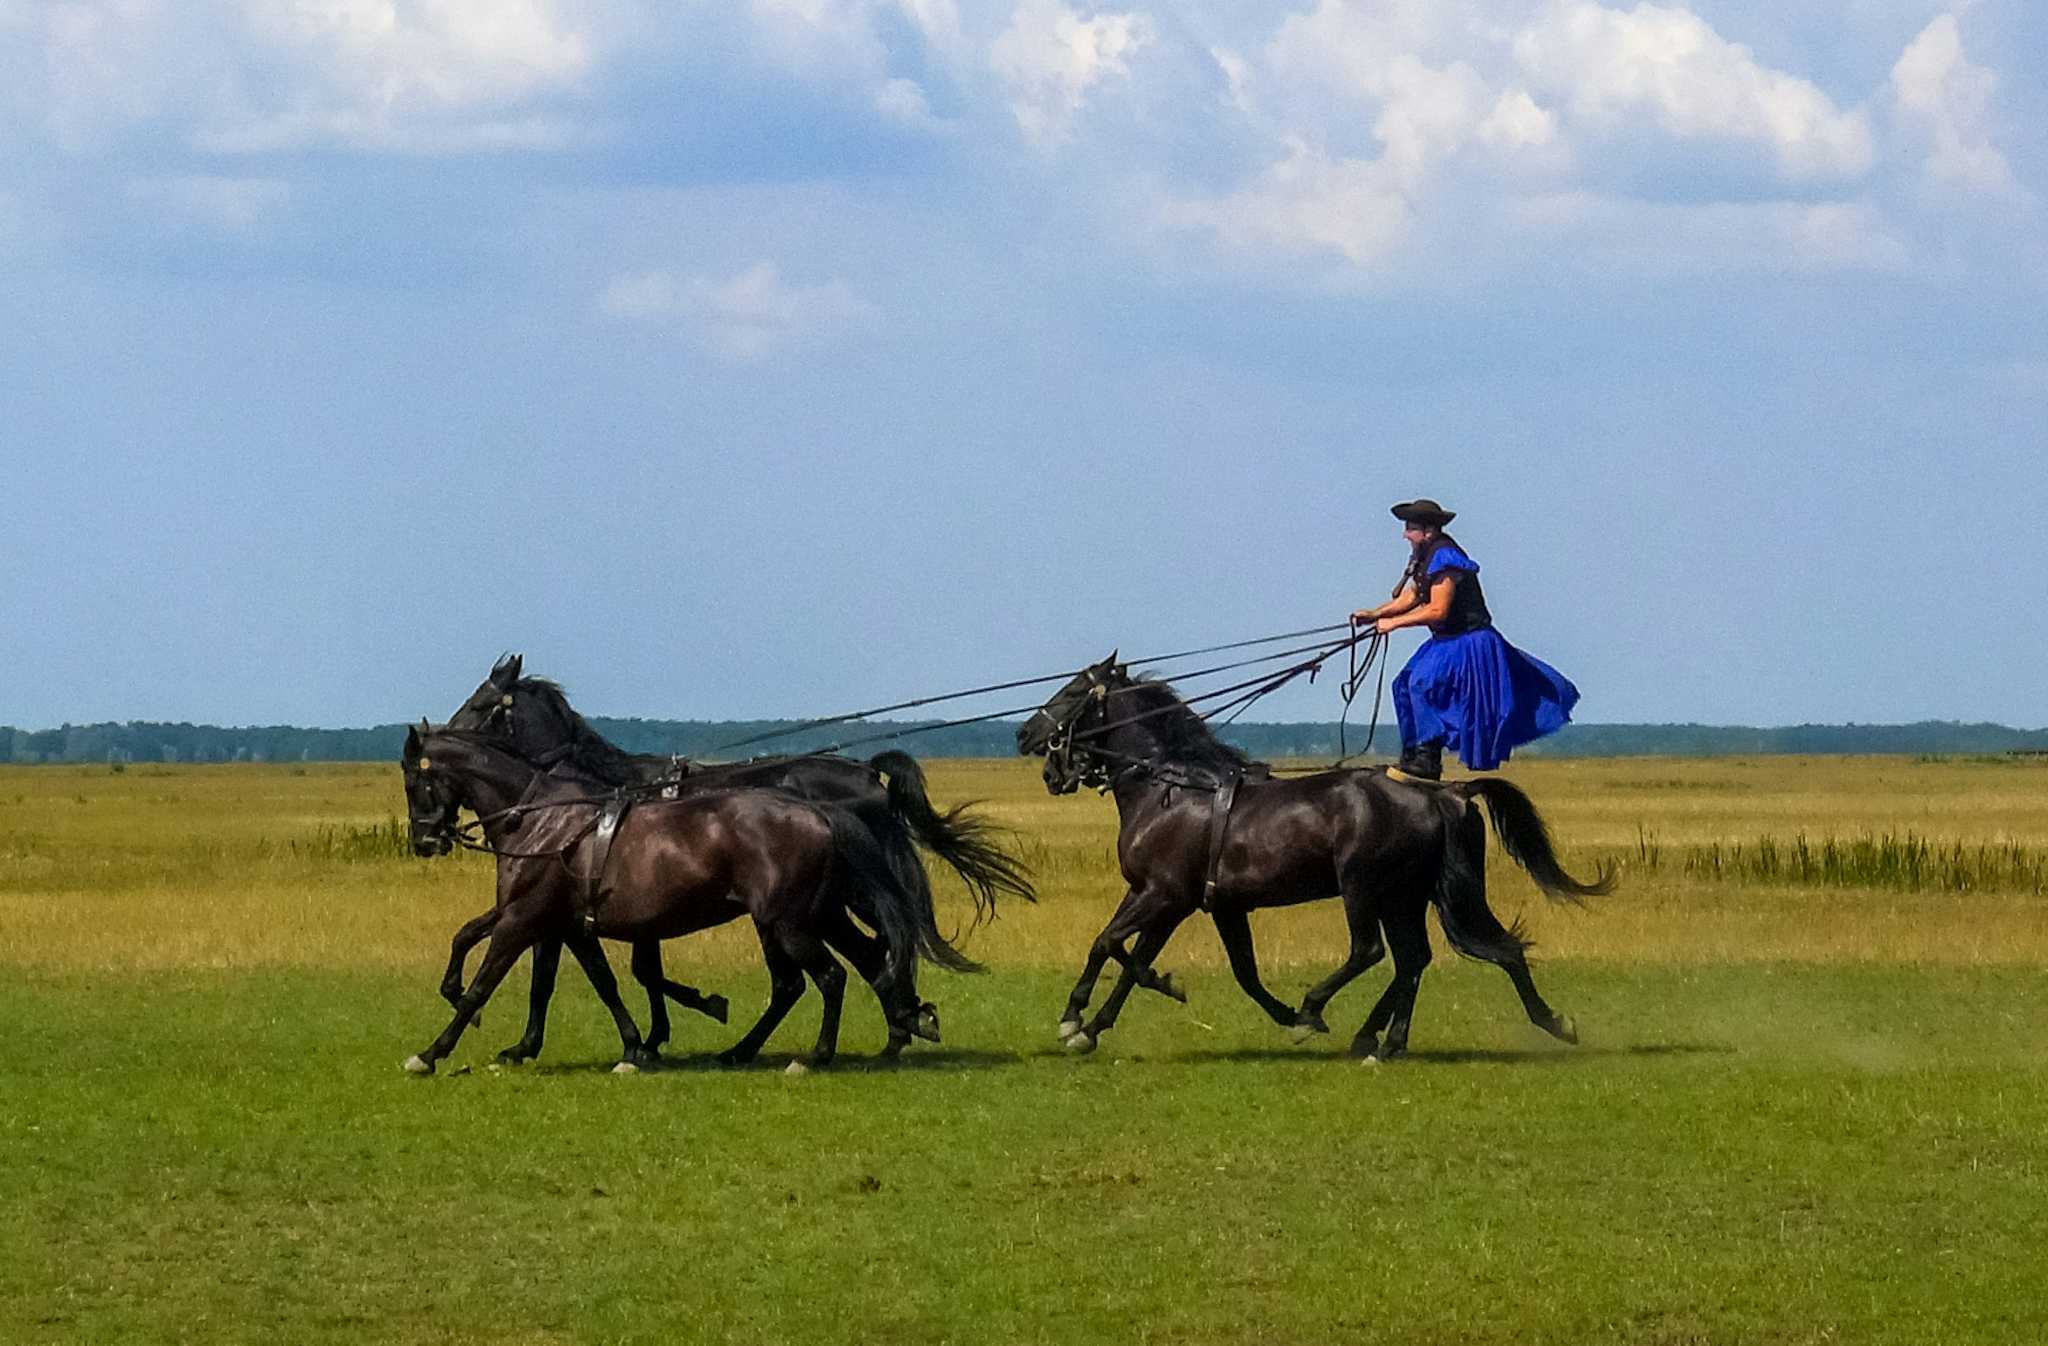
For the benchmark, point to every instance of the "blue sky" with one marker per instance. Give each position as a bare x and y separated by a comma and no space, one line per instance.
777,357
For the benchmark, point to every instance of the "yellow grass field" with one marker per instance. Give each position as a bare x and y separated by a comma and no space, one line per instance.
224,867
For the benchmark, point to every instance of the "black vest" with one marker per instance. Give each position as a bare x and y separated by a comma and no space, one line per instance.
1468,601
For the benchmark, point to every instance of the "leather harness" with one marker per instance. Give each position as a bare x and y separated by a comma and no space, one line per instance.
602,834
1219,823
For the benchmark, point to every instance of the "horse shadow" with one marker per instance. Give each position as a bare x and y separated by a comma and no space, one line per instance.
1458,1056
707,1063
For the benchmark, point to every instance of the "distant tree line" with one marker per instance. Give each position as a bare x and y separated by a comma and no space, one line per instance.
141,741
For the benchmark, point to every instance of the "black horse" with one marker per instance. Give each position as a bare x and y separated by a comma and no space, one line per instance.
672,867
1203,826
533,718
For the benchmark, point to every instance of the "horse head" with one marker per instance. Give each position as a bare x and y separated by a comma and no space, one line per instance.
1050,731
431,798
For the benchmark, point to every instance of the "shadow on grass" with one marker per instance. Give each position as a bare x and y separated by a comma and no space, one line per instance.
1451,1056
939,1058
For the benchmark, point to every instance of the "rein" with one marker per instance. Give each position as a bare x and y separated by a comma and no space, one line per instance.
1064,745
801,726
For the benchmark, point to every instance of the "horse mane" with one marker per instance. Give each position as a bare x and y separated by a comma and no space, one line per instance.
1184,737
588,749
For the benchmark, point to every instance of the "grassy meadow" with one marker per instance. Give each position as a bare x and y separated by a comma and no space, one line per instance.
1809,1106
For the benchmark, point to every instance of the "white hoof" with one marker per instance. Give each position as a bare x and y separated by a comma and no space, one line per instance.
1080,1043
1069,1027
796,1068
625,1068
1369,1061
418,1065
1301,1033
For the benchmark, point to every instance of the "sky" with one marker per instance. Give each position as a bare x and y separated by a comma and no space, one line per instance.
781,357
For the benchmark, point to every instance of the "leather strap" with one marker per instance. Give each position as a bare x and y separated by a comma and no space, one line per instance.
602,833
1219,823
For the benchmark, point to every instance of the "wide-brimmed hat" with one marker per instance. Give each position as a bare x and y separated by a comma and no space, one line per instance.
1428,513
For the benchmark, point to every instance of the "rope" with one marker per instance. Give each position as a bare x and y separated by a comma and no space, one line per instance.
800,726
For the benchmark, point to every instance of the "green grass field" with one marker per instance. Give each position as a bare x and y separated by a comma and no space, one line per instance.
1809,1106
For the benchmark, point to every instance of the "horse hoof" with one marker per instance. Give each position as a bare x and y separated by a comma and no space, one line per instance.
1369,1060
796,1068
1301,1033
625,1068
418,1065
1567,1029
1081,1043
926,1023
1068,1028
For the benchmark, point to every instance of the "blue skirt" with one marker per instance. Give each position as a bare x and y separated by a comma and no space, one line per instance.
1481,696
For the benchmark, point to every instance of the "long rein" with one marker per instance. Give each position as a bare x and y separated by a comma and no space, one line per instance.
802,726
1249,691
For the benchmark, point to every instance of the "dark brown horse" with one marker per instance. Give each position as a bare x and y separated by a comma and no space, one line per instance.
533,718
1203,826
672,867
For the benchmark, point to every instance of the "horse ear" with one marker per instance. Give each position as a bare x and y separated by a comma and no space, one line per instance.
412,742
506,671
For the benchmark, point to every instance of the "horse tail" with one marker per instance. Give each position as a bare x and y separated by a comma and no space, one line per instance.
890,890
1460,896
968,845
1526,839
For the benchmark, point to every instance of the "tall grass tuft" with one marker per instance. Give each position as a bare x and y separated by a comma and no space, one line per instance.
1903,861
350,844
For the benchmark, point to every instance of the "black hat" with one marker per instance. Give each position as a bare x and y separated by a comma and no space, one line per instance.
1428,513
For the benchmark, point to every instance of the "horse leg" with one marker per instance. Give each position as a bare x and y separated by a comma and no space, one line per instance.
1165,920
1108,944
547,957
810,953
468,937
1559,1026
1234,928
905,1016
516,931
1408,936
1361,914
590,956
647,970
785,988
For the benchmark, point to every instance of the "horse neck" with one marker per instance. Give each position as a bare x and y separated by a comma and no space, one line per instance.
491,778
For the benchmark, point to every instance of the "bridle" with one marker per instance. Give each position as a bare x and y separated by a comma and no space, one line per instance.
1067,767
440,826
504,709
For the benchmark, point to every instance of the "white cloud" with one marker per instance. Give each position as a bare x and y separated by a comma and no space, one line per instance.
1936,89
1609,65
742,317
1049,57
433,75
1307,202
1516,122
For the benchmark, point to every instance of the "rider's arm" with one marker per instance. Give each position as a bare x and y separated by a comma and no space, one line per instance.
1435,610
1403,600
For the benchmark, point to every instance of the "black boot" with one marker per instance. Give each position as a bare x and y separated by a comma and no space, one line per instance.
1424,761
